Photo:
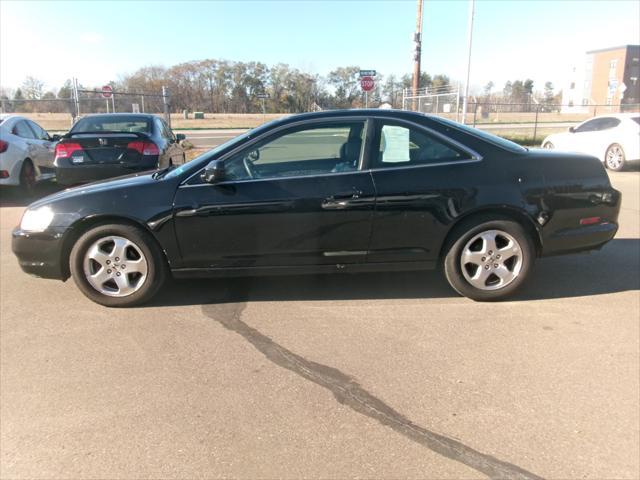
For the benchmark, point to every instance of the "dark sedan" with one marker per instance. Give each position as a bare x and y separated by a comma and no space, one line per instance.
340,191
115,144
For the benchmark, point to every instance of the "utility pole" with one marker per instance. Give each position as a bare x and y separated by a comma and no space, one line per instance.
466,87
417,52
76,97
165,105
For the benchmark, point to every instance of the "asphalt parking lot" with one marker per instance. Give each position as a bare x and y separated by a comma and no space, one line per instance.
369,376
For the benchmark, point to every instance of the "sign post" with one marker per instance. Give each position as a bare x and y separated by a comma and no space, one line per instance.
367,83
107,92
263,97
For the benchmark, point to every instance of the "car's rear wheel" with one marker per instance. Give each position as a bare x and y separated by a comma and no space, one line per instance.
489,259
548,145
117,265
27,177
614,159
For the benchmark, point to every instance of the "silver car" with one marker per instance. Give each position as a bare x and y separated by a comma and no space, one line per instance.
26,152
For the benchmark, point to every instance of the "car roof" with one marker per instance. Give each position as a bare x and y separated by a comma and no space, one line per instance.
355,112
359,112
121,114
619,115
8,120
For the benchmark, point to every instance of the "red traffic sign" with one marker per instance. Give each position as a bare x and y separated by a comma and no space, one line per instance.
367,83
107,91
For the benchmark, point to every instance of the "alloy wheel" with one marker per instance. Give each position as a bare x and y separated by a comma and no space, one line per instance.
115,266
615,157
491,260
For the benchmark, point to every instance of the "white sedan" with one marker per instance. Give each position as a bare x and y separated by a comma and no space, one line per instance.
26,152
614,139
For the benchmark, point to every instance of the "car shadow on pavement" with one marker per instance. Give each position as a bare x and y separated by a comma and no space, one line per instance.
15,197
610,270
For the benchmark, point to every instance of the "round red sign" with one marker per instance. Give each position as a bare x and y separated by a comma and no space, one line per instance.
107,91
367,83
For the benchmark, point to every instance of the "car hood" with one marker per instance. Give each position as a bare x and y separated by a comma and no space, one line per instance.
129,181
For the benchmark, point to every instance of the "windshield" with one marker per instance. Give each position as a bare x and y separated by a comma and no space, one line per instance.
108,123
499,141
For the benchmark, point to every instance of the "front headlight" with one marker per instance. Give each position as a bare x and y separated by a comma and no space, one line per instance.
36,220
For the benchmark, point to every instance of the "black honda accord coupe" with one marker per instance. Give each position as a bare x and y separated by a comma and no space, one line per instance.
339,191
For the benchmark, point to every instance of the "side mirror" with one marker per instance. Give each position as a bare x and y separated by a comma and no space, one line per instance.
180,137
55,138
572,129
254,156
213,172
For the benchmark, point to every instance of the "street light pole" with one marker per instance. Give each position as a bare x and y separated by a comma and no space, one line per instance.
417,53
466,87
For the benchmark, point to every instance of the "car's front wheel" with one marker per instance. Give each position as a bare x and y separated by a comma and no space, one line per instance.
117,265
614,159
489,259
548,146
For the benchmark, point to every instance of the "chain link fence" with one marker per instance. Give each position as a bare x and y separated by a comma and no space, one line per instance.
59,114
524,122
530,122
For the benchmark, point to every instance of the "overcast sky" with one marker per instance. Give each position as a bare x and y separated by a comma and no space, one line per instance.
99,41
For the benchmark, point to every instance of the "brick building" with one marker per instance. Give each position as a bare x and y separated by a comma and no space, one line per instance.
611,76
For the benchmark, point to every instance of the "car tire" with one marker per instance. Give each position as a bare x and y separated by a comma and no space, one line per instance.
118,265
614,158
484,271
27,177
548,145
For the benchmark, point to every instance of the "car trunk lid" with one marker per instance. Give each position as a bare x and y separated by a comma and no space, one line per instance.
105,148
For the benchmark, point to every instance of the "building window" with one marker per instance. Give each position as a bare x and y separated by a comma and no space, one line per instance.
613,64
585,101
573,85
634,81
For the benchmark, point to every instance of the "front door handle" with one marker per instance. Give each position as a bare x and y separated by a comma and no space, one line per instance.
341,201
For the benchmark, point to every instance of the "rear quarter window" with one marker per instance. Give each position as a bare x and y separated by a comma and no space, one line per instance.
482,135
636,119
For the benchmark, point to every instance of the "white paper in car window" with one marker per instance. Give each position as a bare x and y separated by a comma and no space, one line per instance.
395,144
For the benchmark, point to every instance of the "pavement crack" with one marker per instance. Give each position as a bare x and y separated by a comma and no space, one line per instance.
348,392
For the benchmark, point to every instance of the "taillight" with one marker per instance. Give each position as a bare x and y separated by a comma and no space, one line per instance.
64,150
3,146
144,148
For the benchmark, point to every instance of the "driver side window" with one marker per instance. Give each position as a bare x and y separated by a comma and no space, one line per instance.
317,150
